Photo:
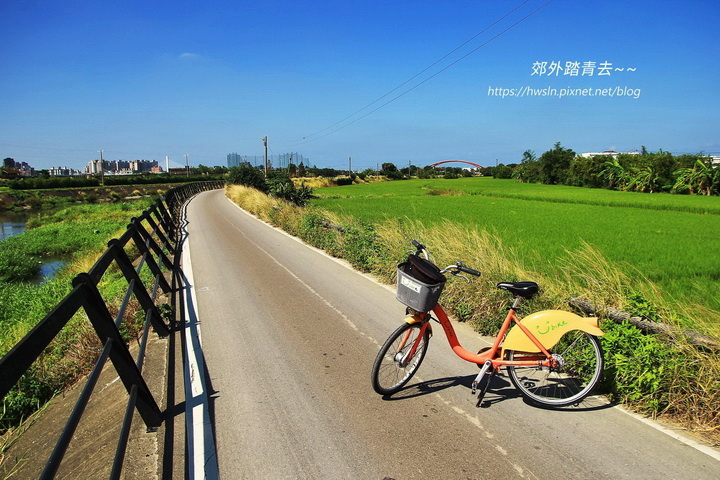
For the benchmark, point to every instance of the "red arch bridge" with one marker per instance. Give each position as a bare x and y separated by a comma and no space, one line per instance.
456,161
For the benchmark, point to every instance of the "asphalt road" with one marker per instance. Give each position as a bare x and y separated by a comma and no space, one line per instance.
288,339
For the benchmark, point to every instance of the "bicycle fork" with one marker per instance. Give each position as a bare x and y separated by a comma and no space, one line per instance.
487,369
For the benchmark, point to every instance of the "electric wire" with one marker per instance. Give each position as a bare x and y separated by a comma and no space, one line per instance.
423,70
428,78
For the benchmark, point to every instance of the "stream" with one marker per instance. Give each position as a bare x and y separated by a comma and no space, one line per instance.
12,224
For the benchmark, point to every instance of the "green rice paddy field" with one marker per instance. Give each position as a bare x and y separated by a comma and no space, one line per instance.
672,240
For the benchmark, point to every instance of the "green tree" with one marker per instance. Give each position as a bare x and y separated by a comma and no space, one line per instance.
391,171
586,172
615,174
698,179
502,171
555,165
528,156
248,176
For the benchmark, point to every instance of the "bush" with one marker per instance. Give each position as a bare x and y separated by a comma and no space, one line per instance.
281,186
340,181
247,176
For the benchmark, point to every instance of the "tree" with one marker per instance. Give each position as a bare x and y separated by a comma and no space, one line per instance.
645,179
202,170
391,171
301,172
586,171
615,174
248,176
502,171
699,179
555,165
528,156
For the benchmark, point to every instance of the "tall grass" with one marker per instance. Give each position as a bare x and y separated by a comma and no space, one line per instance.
646,372
675,249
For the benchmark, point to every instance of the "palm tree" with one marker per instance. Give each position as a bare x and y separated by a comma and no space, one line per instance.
645,179
615,174
697,179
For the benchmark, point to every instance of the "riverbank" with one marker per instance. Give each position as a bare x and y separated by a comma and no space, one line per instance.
35,200
82,232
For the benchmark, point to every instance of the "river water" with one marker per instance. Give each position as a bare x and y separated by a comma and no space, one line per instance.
13,223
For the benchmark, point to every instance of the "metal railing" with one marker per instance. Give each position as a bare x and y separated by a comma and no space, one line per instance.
151,239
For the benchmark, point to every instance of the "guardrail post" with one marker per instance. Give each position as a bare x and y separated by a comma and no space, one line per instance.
141,293
156,228
130,375
140,242
167,221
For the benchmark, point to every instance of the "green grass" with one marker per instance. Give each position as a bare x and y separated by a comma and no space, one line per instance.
83,233
670,239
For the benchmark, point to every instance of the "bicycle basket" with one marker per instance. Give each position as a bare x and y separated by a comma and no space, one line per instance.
419,284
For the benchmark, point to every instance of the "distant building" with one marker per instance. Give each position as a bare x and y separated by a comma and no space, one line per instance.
609,153
122,167
20,169
279,161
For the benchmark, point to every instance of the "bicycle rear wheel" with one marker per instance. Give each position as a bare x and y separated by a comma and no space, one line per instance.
392,369
580,364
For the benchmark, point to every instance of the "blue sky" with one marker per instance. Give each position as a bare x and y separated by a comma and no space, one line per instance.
145,79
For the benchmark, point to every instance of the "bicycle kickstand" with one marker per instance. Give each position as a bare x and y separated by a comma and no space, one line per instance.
486,369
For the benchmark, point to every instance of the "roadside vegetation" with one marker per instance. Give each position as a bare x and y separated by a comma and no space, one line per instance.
81,234
371,226
647,172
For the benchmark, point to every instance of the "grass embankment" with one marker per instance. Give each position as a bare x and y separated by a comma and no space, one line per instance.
54,198
81,233
654,375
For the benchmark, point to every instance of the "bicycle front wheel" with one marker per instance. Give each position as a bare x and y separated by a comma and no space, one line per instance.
393,366
579,367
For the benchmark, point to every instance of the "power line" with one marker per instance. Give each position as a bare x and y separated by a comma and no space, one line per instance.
426,69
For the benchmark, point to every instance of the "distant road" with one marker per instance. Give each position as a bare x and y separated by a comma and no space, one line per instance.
289,336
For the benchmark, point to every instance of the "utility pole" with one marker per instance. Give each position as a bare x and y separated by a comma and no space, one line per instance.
264,139
187,166
349,165
102,170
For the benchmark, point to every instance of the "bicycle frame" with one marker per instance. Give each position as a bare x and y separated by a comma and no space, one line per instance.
542,359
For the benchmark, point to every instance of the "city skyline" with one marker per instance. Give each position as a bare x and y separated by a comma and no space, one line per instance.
402,82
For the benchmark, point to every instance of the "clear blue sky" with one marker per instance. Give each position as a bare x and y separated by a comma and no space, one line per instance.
145,79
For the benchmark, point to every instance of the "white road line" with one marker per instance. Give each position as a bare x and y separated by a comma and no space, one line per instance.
202,462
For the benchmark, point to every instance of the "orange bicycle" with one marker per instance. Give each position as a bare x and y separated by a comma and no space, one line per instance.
552,357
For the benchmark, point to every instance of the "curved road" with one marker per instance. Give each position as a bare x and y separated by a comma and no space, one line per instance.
288,339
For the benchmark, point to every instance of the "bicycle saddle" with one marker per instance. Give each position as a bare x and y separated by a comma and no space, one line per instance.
521,289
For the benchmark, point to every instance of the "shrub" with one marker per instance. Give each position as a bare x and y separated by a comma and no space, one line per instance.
247,176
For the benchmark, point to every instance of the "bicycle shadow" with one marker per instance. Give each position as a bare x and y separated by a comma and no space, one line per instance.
500,390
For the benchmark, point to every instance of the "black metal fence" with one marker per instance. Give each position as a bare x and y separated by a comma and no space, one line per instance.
151,241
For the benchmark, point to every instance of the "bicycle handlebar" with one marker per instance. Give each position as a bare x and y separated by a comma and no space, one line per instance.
468,270
458,267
